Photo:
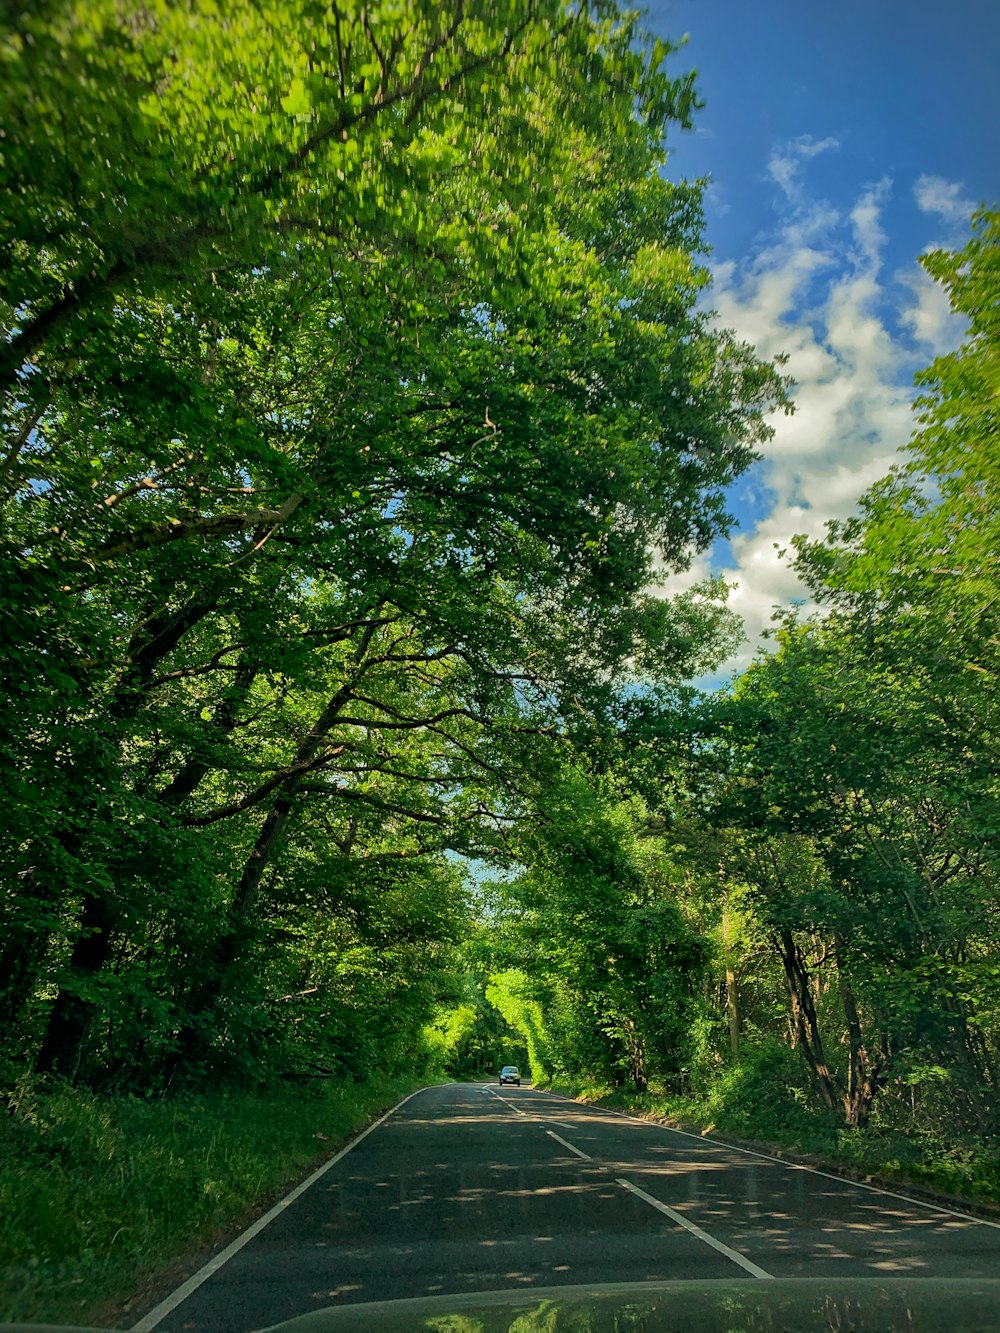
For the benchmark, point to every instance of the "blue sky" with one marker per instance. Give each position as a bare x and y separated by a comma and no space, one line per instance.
841,141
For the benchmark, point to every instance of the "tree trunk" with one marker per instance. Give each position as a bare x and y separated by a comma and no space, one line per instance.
196,768
865,1069
800,995
972,1062
26,932
71,1015
20,963
636,1056
732,1001
192,1039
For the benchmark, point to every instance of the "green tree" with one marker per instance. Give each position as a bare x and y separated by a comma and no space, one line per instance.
868,860
606,964
316,335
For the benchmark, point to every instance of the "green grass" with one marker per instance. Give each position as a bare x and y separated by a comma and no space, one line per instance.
97,1193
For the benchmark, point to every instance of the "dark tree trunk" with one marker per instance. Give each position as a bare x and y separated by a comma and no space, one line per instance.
20,962
196,768
866,1067
804,1017
71,1015
193,1038
636,1055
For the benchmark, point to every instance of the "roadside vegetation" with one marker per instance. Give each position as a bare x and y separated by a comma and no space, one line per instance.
780,916
100,1195
357,384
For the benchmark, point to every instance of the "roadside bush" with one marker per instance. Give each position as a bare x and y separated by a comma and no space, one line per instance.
765,1096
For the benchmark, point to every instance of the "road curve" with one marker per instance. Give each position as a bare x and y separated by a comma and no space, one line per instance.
470,1187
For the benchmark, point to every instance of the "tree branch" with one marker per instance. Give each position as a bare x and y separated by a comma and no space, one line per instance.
255,797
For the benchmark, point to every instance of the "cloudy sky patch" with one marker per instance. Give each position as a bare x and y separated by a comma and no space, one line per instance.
854,331
839,144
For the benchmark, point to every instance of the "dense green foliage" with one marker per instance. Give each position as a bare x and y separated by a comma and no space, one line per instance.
595,963
356,378
801,939
868,749
353,380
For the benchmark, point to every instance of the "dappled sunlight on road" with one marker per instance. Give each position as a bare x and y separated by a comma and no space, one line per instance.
461,1193
672,1167
463,1121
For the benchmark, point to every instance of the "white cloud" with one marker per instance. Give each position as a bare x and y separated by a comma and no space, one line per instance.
817,293
943,199
866,221
785,162
929,316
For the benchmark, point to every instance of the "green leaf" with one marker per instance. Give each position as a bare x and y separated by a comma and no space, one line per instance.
296,101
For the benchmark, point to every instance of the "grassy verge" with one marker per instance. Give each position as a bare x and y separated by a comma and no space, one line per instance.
98,1193
966,1172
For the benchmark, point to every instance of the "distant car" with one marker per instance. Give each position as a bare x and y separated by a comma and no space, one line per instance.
510,1074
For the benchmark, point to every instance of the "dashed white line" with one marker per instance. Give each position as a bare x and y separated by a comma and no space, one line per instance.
789,1165
747,1264
734,1255
505,1101
559,1139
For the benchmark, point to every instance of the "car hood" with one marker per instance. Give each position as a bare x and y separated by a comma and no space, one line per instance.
806,1305
862,1305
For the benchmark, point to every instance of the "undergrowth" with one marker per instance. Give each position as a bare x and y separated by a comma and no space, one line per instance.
97,1192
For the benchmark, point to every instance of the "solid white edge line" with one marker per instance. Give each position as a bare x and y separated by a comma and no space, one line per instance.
559,1139
781,1161
734,1255
171,1302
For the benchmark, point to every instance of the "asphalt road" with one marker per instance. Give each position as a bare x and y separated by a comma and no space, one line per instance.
475,1188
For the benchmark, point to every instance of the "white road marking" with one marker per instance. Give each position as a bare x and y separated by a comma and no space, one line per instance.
559,1139
160,1312
494,1093
878,1189
791,1166
734,1255
753,1269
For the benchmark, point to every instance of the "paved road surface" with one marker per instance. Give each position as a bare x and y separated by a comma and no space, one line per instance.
475,1188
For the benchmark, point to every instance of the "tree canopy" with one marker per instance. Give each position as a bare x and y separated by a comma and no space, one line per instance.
355,375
